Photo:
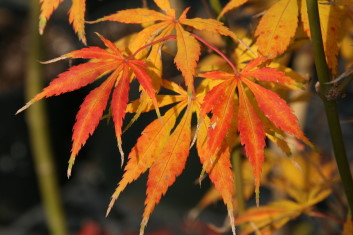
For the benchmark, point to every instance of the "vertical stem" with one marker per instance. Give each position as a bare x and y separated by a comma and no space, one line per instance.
39,137
330,105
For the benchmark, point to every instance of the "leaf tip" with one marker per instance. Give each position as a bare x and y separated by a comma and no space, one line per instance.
121,153
71,163
257,195
24,107
143,225
231,217
111,204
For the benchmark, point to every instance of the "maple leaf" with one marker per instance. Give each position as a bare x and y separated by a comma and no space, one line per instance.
188,47
252,129
164,152
230,6
305,182
277,28
331,17
76,15
122,70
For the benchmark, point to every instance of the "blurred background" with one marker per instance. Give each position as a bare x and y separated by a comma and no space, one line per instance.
85,196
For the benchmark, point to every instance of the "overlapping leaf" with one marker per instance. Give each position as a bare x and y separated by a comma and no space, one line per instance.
278,26
188,48
251,125
164,152
91,110
76,15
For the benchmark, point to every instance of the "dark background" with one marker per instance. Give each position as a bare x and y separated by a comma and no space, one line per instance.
97,169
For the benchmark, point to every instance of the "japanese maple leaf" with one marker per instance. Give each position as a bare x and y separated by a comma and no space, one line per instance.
188,47
305,188
164,152
276,29
122,70
76,15
252,119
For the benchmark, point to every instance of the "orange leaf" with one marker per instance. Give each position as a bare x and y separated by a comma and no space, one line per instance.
46,10
119,102
218,167
230,6
135,16
164,5
221,119
145,81
77,18
169,165
276,109
208,25
88,117
217,75
84,74
187,56
213,97
252,136
331,18
277,27
147,149
269,75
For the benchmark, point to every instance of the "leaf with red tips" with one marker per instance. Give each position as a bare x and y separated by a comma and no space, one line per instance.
270,75
218,167
146,82
110,45
254,63
213,97
147,149
120,99
217,75
277,28
77,18
277,110
170,164
252,135
46,10
221,119
88,116
83,75
188,54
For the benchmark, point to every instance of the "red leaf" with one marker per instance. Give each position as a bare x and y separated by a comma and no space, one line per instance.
269,75
276,109
119,102
252,135
88,117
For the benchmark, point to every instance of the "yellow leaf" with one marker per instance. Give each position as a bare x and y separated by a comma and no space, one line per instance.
230,6
77,18
187,56
331,17
277,28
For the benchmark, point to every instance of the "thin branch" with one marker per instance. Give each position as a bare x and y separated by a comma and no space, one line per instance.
166,38
218,52
330,105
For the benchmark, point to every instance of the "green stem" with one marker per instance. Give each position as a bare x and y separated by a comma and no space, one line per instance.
323,74
37,124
